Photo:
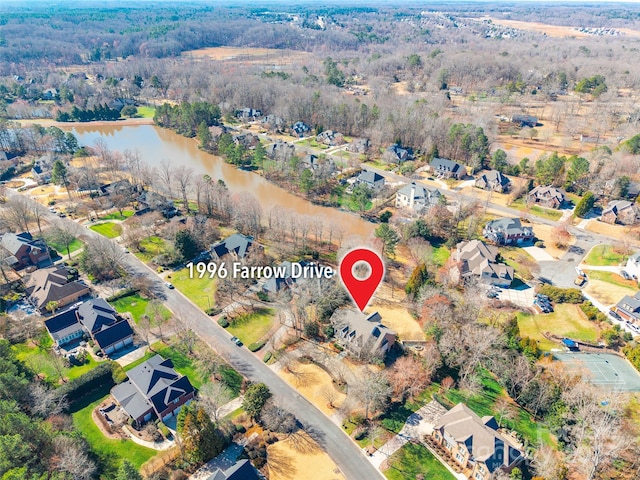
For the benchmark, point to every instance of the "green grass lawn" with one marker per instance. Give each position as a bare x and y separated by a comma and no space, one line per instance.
40,360
413,459
107,229
145,111
136,306
181,362
201,291
440,255
110,451
116,215
603,255
253,326
151,247
379,164
567,320
347,202
62,249
612,278
538,211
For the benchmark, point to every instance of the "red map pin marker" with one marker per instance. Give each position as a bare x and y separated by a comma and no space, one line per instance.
361,290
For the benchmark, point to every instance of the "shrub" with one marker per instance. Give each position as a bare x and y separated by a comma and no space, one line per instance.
222,321
122,293
240,428
99,377
264,296
118,374
539,244
213,311
562,295
267,357
338,347
254,347
164,430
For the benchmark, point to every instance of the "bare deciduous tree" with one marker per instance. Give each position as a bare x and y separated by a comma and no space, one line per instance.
373,391
213,396
71,456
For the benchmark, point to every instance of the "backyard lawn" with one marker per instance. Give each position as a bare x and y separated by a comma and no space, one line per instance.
251,327
110,451
603,255
346,201
566,321
608,287
41,360
107,229
412,460
146,111
116,215
200,291
549,213
136,306
440,255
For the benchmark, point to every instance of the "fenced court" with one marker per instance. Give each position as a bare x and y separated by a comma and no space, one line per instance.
603,369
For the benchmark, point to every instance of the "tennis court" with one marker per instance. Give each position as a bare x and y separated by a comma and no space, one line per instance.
604,369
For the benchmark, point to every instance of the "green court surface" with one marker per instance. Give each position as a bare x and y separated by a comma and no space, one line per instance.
603,369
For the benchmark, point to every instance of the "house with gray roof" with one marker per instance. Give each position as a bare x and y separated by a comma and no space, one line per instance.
25,251
359,145
507,231
150,201
237,246
330,138
629,308
396,154
524,120
281,151
319,166
363,335
475,259
299,129
241,470
42,170
547,196
445,168
53,284
96,319
284,277
621,211
417,198
373,180
493,180
476,443
154,389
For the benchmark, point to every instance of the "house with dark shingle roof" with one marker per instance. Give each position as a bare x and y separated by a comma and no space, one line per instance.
476,259
154,389
417,198
397,154
373,180
493,180
237,246
52,284
241,470
629,308
476,443
284,277
547,196
42,170
95,318
299,129
362,334
506,231
152,201
25,251
445,168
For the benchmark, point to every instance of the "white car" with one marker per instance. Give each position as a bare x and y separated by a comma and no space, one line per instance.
169,285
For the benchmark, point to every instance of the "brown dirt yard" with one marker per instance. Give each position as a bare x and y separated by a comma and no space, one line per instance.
545,233
617,231
310,380
299,456
400,320
251,55
607,293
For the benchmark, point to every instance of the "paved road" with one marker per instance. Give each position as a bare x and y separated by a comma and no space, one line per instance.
343,451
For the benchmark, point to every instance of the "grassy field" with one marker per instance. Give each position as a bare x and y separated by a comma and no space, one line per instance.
182,363
413,459
62,249
253,326
201,291
116,215
136,306
346,201
110,451
440,255
40,359
603,255
107,229
151,247
567,321
146,112
608,287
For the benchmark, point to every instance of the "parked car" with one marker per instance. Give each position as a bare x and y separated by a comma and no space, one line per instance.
625,275
169,285
237,341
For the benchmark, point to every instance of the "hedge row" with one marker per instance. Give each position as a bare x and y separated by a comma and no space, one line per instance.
562,295
99,377
254,347
222,321
122,293
267,357
213,311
